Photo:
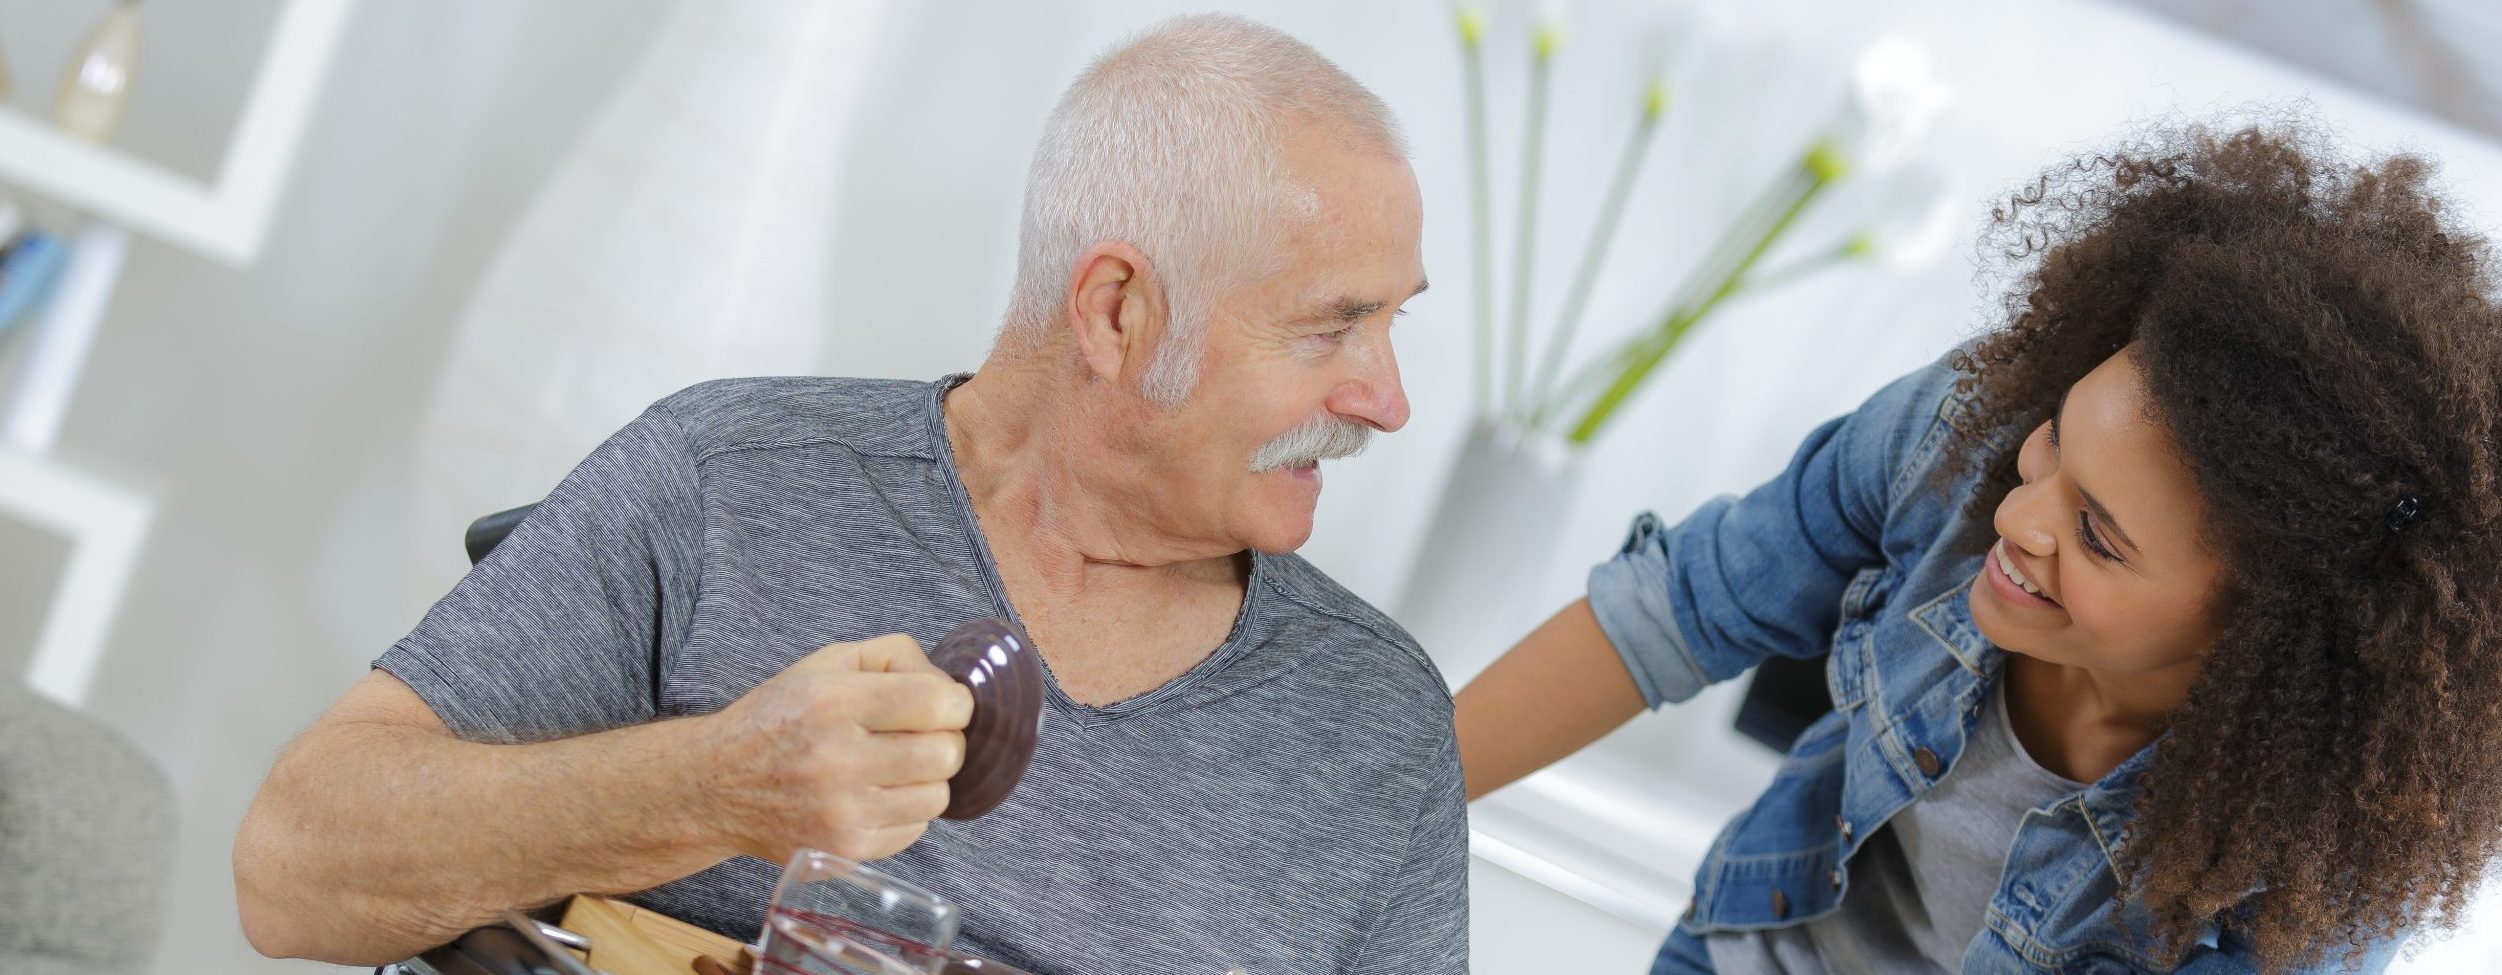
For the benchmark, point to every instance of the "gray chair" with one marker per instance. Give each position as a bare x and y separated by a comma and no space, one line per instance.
86,842
485,533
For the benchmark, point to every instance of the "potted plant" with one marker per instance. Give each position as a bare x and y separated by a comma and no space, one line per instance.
1532,419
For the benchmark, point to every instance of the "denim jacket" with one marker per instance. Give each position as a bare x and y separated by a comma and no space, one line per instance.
1854,550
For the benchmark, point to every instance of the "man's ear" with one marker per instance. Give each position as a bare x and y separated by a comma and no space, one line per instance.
1116,310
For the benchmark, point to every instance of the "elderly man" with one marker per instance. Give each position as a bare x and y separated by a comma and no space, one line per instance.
699,653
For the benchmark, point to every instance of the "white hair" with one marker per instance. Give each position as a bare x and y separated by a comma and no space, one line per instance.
1173,142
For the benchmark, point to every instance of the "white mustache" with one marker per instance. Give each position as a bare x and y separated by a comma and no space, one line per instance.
1320,438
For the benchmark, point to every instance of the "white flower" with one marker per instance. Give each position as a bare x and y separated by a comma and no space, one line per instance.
1915,218
1893,101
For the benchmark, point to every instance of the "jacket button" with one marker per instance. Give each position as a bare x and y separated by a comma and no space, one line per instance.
1842,825
1927,760
1837,878
1780,905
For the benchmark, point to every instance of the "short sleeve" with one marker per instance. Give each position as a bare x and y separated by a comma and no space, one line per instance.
1423,925
563,629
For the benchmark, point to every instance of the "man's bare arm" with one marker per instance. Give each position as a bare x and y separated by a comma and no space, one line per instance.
380,834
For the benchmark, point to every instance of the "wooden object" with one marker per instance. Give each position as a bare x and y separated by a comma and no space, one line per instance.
628,940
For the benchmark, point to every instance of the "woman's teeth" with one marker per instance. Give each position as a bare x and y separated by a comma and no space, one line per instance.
2007,567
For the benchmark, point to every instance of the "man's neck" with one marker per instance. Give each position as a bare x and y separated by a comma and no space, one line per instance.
1061,505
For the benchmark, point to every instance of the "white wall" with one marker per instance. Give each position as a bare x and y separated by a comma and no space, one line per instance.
270,409
265,408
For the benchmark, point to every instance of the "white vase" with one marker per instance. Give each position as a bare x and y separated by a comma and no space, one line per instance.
96,85
1473,591
684,238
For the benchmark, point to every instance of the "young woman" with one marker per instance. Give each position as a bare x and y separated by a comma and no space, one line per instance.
2164,623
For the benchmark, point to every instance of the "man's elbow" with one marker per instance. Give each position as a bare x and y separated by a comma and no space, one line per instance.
268,921
268,929
285,913
284,927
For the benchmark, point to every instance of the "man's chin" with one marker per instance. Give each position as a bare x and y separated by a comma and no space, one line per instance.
1279,526
1281,544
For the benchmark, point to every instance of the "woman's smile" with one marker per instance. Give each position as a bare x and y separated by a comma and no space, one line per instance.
2010,582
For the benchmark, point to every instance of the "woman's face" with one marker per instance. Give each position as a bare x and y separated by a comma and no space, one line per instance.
2104,530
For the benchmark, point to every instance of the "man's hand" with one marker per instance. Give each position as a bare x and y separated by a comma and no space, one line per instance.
847,751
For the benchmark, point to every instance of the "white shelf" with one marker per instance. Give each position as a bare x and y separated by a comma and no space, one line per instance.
105,524
226,219
1626,856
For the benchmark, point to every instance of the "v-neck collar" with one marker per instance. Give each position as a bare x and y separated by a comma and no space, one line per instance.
1203,680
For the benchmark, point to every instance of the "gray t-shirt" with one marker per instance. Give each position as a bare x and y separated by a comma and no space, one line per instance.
1292,804
1920,886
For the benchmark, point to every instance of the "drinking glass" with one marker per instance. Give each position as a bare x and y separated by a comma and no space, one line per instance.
831,916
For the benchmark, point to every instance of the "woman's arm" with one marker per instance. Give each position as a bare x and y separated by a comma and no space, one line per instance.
1562,688
1681,607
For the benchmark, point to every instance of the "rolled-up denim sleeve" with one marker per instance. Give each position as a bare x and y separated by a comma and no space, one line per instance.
1745,577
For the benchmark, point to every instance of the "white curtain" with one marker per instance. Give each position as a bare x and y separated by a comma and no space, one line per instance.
685,238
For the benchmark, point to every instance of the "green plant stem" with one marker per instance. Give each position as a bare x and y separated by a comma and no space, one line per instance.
1802,267
1715,265
1654,349
1481,218
1583,383
1611,213
1532,153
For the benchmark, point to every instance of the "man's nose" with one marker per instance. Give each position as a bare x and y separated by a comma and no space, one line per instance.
1374,395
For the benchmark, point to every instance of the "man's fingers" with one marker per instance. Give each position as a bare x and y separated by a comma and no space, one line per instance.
894,653
929,701
878,844
901,758
905,805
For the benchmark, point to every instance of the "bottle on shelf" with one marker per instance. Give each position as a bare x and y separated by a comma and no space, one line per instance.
8,82
96,85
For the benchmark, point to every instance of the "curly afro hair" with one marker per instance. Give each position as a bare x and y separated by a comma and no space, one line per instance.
2319,339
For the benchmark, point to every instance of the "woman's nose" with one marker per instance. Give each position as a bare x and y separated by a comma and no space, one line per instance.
2024,518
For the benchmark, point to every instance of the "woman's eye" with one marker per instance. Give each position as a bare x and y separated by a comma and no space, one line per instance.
2093,541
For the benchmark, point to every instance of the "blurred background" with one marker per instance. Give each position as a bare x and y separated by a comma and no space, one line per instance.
328,278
